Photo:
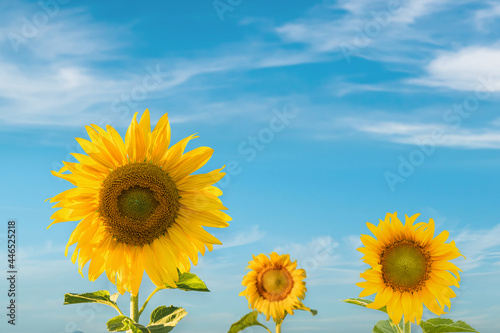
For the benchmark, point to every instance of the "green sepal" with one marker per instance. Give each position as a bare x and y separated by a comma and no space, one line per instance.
124,323
114,297
445,325
164,319
305,308
247,320
189,282
362,302
101,296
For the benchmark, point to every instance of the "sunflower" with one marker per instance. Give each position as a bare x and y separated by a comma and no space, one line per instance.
274,286
139,207
409,266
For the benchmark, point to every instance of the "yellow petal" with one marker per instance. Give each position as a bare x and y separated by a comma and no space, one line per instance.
198,182
190,162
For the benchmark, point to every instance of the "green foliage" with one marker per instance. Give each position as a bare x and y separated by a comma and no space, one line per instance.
101,296
124,323
190,282
445,325
164,319
305,308
386,326
434,325
247,320
362,302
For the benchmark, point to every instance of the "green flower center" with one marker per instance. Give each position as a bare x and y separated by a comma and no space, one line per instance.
405,266
274,284
138,202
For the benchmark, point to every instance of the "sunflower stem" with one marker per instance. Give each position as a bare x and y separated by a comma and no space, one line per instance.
278,327
134,307
407,327
147,300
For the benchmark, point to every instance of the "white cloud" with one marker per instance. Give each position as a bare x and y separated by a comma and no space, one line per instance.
408,11
242,238
467,69
415,9
326,261
318,252
341,89
371,29
424,133
47,31
321,36
47,78
480,247
484,17
355,7
60,76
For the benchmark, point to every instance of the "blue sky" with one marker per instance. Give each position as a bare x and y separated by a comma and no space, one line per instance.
387,106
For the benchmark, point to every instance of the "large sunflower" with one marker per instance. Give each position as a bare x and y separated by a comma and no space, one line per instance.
409,266
274,286
140,207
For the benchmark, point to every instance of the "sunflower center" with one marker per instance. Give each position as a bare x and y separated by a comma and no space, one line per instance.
405,266
274,284
138,202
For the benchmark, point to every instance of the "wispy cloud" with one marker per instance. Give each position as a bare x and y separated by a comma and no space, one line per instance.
416,133
480,247
486,16
68,81
369,29
319,250
326,261
49,76
414,9
66,85
341,89
242,238
399,33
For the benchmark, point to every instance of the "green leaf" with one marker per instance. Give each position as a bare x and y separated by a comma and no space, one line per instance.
164,319
386,326
362,302
442,325
305,308
190,282
101,296
247,320
123,323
